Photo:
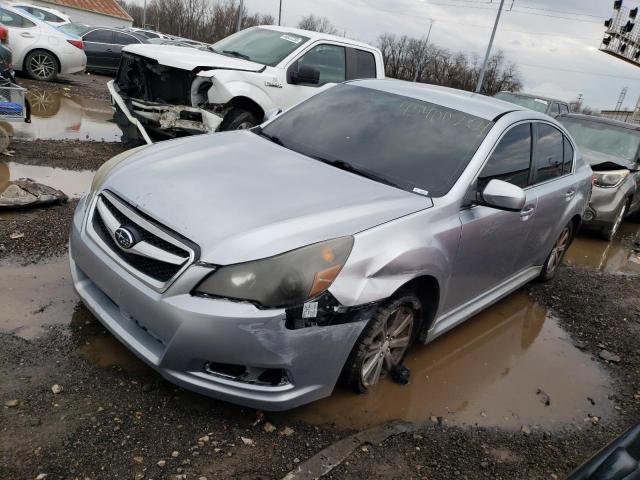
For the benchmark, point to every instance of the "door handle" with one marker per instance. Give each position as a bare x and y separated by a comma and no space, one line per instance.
570,194
527,212
26,35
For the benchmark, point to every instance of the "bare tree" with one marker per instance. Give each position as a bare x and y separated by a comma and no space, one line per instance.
317,24
413,59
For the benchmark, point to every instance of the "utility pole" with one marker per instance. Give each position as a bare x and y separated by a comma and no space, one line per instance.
144,14
240,7
486,56
623,93
426,42
280,13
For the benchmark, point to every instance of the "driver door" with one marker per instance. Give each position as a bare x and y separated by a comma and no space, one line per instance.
329,59
493,241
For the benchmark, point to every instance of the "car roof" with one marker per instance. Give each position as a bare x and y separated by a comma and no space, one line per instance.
603,120
316,35
91,28
531,95
39,7
475,104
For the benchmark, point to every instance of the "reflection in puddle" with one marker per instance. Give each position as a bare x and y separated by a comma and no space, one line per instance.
55,116
486,371
35,296
611,257
73,183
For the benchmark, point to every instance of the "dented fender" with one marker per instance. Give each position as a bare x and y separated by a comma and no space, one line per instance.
224,88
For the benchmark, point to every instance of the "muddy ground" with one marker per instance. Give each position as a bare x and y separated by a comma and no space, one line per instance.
520,391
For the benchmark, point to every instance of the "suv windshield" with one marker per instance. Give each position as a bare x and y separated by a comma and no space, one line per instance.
394,139
603,138
259,45
532,103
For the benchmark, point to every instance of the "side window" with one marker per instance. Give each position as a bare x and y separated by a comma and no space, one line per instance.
329,60
564,108
11,19
555,109
548,153
99,36
365,64
50,17
511,159
124,39
568,157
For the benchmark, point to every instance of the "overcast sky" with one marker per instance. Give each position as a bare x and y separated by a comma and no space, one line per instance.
531,34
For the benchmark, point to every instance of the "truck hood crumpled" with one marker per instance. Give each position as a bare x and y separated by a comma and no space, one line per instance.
186,58
241,197
603,161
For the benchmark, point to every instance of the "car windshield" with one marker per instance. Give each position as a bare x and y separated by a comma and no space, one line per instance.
260,45
74,28
532,103
398,140
603,138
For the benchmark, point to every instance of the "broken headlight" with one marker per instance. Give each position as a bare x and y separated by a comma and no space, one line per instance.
284,280
609,179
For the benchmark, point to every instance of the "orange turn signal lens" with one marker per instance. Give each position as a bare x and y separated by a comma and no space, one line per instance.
323,279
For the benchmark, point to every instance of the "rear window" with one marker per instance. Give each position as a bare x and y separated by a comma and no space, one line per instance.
365,64
402,141
532,103
11,19
99,36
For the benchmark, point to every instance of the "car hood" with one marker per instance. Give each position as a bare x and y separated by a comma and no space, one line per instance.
594,159
241,197
187,58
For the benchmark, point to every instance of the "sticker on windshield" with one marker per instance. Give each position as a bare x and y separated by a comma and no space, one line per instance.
421,191
291,38
544,102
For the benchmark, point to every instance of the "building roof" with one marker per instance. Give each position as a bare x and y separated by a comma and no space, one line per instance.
104,7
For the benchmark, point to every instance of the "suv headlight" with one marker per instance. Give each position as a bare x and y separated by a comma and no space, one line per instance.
284,280
610,178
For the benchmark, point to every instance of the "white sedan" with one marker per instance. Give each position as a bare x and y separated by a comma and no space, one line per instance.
50,15
39,50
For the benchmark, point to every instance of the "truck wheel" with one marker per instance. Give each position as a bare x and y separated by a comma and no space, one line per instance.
609,232
383,343
41,65
557,254
238,119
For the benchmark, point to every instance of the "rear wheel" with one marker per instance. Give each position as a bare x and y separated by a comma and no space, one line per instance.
609,232
554,260
41,65
383,343
238,119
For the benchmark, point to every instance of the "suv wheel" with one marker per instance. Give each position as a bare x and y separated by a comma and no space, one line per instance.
238,119
383,343
557,253
609,232
41,65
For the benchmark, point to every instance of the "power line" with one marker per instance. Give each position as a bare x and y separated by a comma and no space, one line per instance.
567,12
576,71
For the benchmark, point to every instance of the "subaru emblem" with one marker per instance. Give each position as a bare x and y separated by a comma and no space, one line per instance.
124,238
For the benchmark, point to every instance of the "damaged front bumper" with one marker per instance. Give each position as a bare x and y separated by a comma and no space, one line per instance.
228,350
163,119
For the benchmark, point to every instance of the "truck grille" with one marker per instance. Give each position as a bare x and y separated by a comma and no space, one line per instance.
156,256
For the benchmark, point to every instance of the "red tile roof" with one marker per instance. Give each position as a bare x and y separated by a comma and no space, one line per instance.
105,7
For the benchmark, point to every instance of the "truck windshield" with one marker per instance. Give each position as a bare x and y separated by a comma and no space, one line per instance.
532,103
603,138
408,143
260,45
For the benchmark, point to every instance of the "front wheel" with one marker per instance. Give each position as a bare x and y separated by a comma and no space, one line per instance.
238,119
41,65
383,343
557,253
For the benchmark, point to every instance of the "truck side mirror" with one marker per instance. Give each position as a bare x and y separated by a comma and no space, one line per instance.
305,74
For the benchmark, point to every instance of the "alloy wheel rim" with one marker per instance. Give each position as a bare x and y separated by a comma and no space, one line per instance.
558,250
42,66
245,126
388,346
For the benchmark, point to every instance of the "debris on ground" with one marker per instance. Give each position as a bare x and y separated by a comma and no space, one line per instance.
400,374
269,427
56,389
608,356
286,431
247,441
544,397
12,403
27,193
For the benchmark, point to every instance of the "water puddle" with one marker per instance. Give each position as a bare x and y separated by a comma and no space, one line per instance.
72,182
55,116
616,256
488,372
34,297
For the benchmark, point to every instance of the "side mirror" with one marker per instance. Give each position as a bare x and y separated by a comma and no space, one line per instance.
503,196
305,74
271,114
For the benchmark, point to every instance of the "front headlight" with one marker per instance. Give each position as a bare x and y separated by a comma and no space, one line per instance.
285,280
610,178
105,169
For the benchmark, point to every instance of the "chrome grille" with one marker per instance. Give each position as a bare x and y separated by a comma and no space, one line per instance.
156,257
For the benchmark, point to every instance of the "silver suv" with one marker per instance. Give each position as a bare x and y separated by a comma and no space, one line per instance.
261,266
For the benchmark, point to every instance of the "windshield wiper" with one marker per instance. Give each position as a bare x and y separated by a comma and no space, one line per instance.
235,53
348,167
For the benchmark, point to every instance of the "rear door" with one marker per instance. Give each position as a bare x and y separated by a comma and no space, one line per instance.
555,186
98,46
23,35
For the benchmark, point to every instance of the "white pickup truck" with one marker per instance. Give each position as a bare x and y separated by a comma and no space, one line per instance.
164,91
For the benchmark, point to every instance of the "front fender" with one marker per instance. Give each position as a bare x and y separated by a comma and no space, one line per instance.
223,90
